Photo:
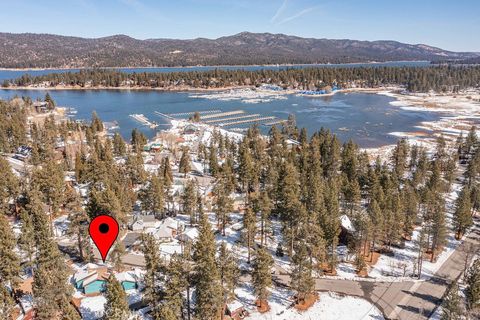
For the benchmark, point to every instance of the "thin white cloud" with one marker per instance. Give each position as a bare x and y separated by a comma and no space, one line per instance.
298,14
279,11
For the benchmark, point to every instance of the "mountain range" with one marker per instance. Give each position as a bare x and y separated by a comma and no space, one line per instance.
28,50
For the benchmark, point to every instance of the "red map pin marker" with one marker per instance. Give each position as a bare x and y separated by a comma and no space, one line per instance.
103,231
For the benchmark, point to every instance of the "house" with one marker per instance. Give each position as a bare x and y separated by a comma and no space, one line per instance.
190,235
235,310
190,129
176,227
347,229
128,280
41,106
142,222
90,281
131,239
163,234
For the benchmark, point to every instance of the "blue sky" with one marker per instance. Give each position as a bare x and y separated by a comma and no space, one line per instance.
452,25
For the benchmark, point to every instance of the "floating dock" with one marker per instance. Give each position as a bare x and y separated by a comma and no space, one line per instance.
144,120
232,118
222,114
163,115
182,114
255,120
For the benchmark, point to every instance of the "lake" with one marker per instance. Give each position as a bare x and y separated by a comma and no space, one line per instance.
13,74
366,118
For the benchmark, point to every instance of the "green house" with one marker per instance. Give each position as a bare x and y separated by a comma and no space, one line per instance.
95,286
128,279
89,281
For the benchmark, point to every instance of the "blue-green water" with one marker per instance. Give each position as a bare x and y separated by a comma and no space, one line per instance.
13,74
367,117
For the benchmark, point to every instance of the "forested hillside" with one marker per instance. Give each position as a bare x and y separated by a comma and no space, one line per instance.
52,51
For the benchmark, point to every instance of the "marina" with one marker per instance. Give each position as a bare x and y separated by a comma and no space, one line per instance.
370,117
144,120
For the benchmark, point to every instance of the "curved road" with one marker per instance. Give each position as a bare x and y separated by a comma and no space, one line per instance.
407,299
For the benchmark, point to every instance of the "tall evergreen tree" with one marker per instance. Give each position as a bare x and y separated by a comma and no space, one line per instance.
472,291
207,283
189,201
462,217
152,196
184,166
249,227
116,307
452,304
229,272
154,273
301,276
51,291
261,274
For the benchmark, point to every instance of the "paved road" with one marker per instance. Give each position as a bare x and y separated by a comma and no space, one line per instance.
407,299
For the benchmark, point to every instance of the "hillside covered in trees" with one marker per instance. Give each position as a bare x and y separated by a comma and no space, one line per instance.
29,50
416,79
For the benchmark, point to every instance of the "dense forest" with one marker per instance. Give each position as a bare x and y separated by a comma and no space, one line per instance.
306,186
415,79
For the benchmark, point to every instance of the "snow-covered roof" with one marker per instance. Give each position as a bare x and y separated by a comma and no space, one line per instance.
169,249
126,276
82,274
191,234
347,223
162,232
171,223
234,305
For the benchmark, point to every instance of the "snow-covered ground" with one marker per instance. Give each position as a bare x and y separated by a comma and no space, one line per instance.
329,306
458,113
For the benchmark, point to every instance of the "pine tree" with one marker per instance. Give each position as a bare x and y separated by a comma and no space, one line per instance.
138,141
462,217
51,291
116,307
472,292
119,147
223,204
7,303
9,266
208,288
301,276
451,306
229,272
26,241
49,100
9,184
117,254
154,272
175,285
79,225
289,202
184,166
249,226
265,206
189,201
152,196
50,181
261,275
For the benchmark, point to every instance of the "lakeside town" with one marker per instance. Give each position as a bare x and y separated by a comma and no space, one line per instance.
177,182
239,160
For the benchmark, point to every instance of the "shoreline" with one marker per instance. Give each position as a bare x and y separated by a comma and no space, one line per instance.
192,89
213,66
